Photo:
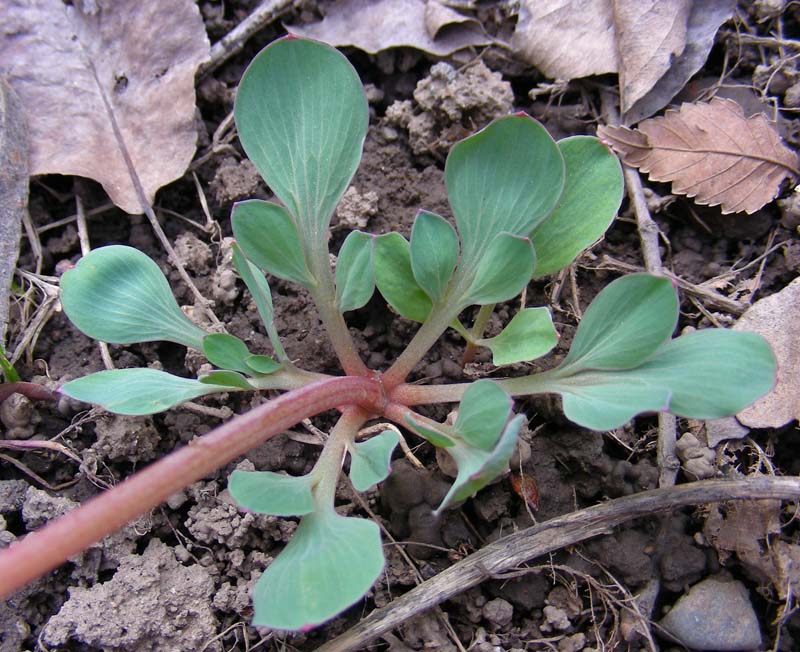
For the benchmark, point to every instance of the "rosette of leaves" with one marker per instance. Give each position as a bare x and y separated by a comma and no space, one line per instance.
523,206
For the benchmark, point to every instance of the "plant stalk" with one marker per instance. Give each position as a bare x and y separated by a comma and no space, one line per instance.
329,464
55,543
477,332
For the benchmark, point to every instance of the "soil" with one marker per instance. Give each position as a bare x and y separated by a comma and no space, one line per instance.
180,578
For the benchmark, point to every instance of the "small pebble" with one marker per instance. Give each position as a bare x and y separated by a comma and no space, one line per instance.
498,612
714,615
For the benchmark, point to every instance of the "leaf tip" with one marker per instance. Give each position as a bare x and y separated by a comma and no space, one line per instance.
292,37
521,114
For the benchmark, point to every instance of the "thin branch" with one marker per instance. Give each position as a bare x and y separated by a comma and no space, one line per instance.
544,538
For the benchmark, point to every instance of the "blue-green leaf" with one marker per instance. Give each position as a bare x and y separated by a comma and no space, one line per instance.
506,178
529,335
502,272
591,198
269,238
226,352
371,460
302,117
355,276
265,492
262,365
231,380
395,278
482,414
625,324
329,564
137,391
117,294
434,253
437,434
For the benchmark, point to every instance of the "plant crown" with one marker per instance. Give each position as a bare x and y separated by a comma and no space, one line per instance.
524,206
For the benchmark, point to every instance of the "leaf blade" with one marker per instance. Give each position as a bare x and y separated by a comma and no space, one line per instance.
395,278
355,274
529,335
117,294
265,492
434,253
371,460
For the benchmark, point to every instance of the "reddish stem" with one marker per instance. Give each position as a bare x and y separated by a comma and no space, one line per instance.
43,550
33,391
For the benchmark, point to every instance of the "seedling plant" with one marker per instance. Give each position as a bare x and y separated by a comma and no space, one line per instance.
524,206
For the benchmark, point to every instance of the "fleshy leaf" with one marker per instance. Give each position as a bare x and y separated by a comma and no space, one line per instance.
265,492
437,434
137,391
256,283
477,468
395,278
371,460
261,364
503,270
482,414
434,253
529,335
355,276
302,117
269,238
226,352
117,294
231,380
329,564
706,374
591,198
506,178
625,324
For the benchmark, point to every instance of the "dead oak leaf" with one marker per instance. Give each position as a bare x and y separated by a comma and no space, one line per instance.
377,25
777,319
105,81
709,151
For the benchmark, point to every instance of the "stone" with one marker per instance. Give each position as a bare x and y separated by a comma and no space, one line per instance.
715,615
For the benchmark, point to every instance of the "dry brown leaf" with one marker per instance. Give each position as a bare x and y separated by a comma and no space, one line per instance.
376,25
86,69
13,191
655,45
777,318
711,152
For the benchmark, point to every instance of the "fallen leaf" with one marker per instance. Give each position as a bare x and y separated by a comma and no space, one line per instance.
567,39
376,25
650,34
777,318
705,19
13,191
655,45
99,77
711,152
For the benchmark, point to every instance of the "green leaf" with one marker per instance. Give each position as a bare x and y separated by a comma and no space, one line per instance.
625,324
226,352
434,253
355,276
262,365
231,380
506,178
529,335
706,374
591,198
502,272
477,468
137,391
371,460
265,492
437,434
9,373
117,294
302,117
269,238
482,414
256,283
395,278
329,564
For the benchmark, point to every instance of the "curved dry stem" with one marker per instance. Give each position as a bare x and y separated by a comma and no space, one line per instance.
520,547
43,550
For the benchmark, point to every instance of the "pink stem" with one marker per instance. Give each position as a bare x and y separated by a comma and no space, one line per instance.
33,391
55,543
